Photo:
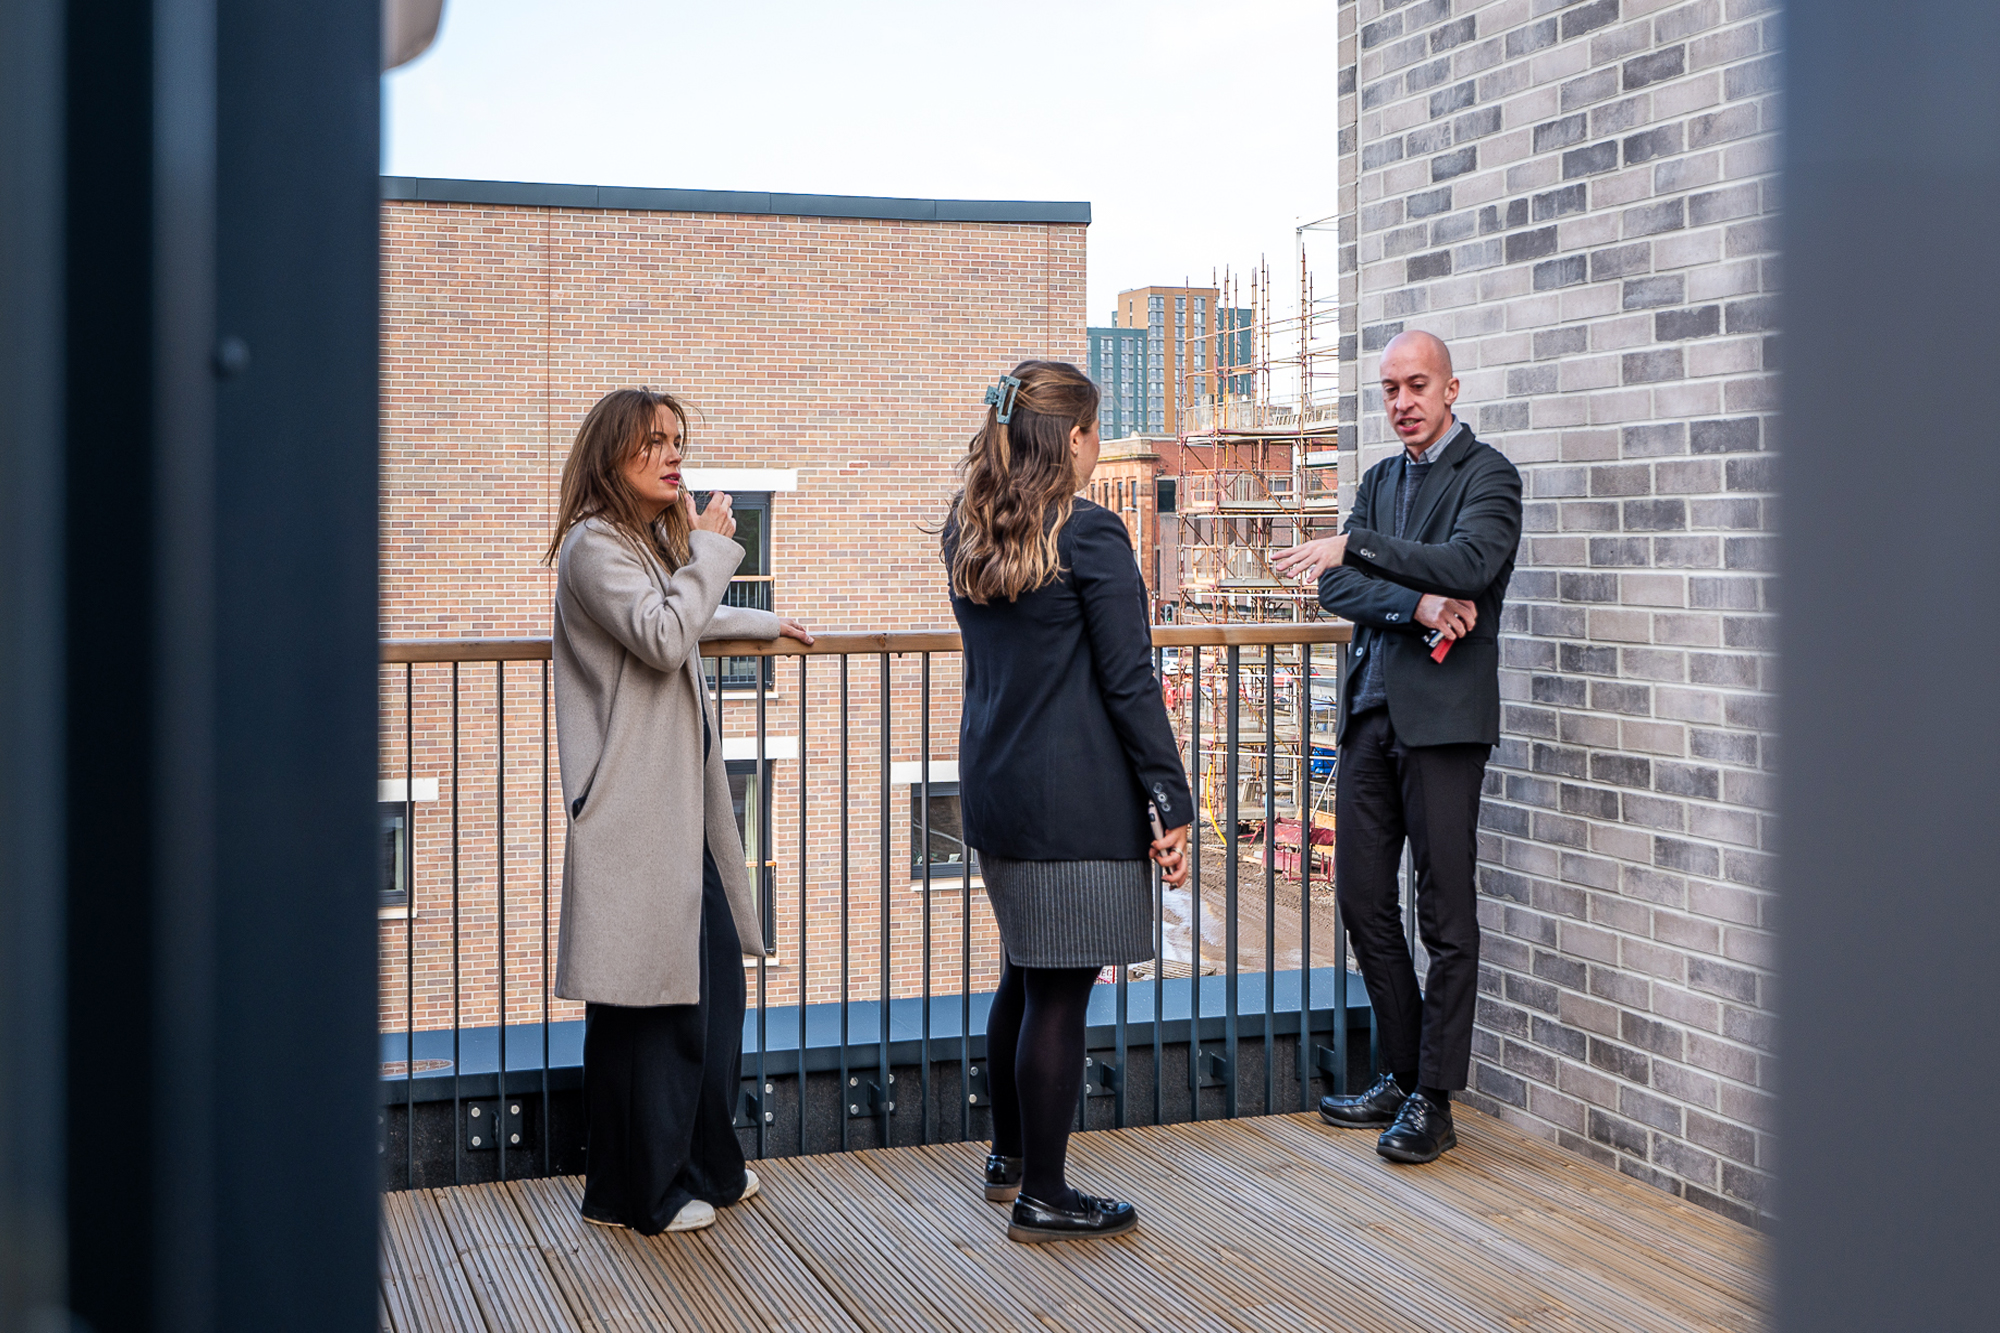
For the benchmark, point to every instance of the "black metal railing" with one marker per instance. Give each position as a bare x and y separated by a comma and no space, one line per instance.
463,1045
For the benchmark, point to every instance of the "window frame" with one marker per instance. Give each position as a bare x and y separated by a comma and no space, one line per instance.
957,872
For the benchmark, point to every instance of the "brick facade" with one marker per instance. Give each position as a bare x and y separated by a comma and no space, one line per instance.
1580,199
854,350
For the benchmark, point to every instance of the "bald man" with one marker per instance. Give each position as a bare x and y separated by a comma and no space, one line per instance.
1422,566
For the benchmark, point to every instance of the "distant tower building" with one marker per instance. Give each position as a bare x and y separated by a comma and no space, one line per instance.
1120,365
1235,346
1180,348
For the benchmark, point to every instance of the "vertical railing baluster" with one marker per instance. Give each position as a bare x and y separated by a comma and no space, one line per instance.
1271,869
1194,896
1231,823
805,892
847,1087
548,1162
500,893
409,929
1339,926
457,1112
766,911
886,1095
924,860
1308,1054
1160,964
965,957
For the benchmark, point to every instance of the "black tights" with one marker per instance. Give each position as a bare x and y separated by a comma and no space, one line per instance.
1034,1061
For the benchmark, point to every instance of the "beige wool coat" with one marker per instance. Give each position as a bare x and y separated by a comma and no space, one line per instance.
629,711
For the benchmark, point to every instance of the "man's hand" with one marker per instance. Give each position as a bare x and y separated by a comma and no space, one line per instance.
1308,560
792,629
1170,852
1453,615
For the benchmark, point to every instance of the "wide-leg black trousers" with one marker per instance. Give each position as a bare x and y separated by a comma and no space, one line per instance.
659,1088
1385,792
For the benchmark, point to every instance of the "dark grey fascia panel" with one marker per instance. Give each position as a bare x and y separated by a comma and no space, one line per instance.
637,198
508,192
641,199
1011,210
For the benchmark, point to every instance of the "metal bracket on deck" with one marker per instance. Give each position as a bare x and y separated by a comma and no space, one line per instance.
1214,1068
977,1092
485,1123
750,1105
1329,1067
1101,1078
867,1098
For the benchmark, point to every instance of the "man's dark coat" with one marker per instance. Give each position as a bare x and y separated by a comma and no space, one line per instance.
1459,541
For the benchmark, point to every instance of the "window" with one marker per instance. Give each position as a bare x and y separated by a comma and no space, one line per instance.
1180,305
750,587
950,858
394,852
749,804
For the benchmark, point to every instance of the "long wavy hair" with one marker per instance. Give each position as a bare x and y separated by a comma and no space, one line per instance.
1017,484
620,425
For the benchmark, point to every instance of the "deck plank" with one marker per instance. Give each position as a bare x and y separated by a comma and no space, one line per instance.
421,1279
1247,1225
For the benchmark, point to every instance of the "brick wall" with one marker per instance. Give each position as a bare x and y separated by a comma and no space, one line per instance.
855,351
1579,198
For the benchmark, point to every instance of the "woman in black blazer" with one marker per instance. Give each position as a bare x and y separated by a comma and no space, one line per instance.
1063,744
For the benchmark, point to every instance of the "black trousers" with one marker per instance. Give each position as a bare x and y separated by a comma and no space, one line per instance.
659,1087
1386,791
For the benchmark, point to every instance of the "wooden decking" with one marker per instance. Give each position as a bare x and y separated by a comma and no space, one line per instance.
1274,1223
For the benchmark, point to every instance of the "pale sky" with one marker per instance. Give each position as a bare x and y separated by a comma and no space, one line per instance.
1201,134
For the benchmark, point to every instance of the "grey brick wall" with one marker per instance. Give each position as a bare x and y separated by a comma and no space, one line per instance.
1580,198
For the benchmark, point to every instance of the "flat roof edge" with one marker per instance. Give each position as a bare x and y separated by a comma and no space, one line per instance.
528,194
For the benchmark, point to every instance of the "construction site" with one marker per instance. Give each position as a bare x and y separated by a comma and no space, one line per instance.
1254,467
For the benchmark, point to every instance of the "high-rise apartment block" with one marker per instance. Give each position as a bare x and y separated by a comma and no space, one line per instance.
1161,352
1178,322
1121,364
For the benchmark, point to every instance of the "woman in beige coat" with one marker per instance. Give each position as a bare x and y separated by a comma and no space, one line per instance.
657,909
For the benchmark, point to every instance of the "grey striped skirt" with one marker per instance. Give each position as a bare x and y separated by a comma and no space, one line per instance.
1071,913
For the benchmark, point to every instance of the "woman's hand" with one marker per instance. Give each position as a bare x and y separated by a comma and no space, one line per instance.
1308,560
720,516
792,629
1170,854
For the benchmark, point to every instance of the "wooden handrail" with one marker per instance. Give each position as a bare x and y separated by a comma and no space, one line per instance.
906,641
465,650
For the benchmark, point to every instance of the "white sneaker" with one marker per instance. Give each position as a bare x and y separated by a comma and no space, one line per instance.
750,1188
693,1216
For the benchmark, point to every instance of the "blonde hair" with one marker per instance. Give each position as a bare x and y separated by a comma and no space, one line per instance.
1018,481
593,477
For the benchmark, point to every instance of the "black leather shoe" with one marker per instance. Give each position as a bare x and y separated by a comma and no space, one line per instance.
1422,1130
1003,1177
1035,1221
1377,1106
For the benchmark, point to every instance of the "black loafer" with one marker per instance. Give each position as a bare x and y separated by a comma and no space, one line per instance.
1421,1132
1035,1221
1377,1106
1003,1178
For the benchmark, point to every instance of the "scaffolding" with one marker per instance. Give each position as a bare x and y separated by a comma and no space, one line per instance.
1256,456
1256,464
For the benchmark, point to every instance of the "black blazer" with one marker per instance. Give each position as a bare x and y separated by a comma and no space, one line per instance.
1063,737
1463,530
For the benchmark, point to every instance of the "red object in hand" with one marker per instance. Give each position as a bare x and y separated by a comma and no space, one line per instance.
1440,645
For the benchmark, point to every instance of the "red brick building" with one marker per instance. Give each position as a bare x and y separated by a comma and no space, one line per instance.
835,351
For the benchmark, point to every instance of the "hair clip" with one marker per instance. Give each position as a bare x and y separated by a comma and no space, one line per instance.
1003,399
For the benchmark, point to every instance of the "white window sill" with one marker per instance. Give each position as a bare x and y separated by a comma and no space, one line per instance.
946,883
